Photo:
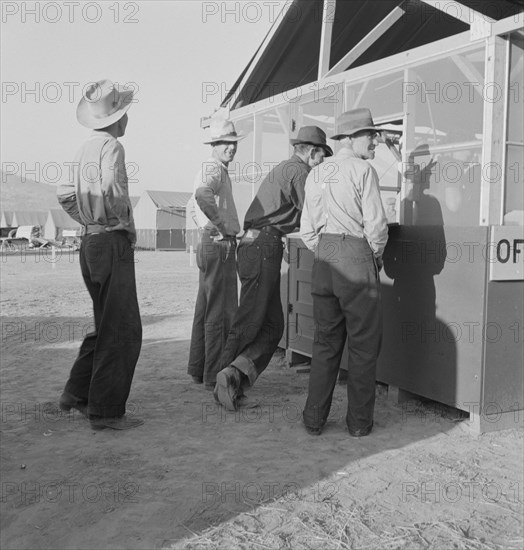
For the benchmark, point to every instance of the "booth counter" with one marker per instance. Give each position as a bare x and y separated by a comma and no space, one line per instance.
450,86
452,330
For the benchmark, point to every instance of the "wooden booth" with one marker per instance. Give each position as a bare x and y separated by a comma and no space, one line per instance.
449,76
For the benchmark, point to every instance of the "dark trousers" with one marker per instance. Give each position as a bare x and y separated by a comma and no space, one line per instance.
103,371
215,307
346,304
258,324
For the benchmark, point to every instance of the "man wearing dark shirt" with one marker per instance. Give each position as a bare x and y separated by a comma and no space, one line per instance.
259,322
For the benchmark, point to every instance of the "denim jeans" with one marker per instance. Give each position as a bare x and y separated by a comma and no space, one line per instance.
215,307
259,321
103,371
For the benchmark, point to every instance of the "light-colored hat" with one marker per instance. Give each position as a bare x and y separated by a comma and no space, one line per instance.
103,104
222,130
354,121
312,135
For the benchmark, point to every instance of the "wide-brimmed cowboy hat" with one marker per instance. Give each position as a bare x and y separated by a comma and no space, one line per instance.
221,129
103,104
312,135
354,121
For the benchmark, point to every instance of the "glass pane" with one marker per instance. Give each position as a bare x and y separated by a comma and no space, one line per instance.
387,167
514,196
272,144
243,162
383,95
319,112
516,88
447,99
446,185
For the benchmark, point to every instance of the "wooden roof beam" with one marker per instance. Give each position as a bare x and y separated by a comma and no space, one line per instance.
328,18
458,11
480,24
367,41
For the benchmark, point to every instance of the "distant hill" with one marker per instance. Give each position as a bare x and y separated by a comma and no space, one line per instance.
16,194
28,195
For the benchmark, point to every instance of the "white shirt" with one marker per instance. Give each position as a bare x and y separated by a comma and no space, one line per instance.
343,196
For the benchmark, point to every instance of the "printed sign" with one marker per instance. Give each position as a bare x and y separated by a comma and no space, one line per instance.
506,253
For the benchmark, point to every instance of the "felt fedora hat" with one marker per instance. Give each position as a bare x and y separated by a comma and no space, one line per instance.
222,130
103,104
312,135
354,121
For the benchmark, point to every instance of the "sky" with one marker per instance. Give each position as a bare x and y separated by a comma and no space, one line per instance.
180,56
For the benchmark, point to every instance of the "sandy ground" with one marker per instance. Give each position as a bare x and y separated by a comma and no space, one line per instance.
194,476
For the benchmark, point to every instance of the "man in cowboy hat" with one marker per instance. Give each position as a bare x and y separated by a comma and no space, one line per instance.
344,222
215,215
98,198
259,322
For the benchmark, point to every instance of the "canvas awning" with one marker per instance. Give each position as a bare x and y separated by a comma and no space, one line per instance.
290,58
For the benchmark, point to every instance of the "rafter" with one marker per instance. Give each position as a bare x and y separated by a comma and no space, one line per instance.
459,11
328,18
367,41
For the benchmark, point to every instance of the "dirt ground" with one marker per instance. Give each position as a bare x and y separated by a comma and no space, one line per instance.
196,477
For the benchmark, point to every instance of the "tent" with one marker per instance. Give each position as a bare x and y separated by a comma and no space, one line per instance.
7,219
57,222
25,217
160,220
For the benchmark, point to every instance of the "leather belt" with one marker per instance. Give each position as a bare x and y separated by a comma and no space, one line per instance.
94,228
254,233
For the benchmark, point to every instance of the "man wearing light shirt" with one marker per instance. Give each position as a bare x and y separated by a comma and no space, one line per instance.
344,222
215,215
98,199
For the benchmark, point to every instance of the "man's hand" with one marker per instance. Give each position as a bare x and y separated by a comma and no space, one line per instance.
118,227
131,235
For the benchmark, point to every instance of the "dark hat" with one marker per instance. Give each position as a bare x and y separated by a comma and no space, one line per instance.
312,135
354,121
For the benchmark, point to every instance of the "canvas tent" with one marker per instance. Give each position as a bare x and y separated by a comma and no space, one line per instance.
7,219
160,220
24,217
57,222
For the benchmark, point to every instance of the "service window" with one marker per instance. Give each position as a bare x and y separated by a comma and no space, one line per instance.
318,109
272,128
383,96
514,181
243,164
445,102
242,169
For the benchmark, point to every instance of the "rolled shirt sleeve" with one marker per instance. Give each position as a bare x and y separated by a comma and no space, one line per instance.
114,183
66,195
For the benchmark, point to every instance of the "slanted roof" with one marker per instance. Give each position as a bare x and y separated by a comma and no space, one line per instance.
290,58
170,200
62,220
134,200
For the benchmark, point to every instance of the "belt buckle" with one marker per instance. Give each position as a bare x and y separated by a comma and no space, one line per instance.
252,234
